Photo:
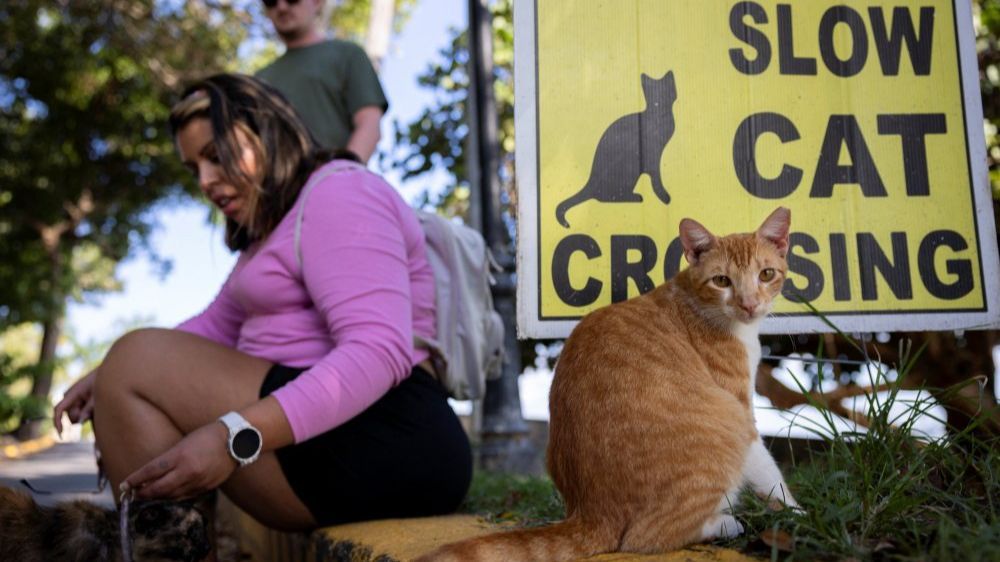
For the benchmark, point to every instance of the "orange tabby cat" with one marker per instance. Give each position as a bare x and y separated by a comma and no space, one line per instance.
652,431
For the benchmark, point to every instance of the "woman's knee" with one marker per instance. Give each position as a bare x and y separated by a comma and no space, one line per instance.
130,359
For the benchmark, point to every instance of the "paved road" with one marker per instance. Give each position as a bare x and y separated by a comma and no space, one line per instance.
67,470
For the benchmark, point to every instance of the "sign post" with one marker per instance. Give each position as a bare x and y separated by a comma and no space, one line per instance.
862,117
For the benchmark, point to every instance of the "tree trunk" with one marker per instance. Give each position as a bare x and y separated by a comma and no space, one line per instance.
41,386
379,31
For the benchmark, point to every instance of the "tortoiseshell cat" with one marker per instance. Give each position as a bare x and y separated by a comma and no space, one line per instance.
630,147
652,431
80,531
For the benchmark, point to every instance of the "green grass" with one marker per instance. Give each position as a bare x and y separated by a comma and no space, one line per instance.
884,494
526,501
877,495
880,498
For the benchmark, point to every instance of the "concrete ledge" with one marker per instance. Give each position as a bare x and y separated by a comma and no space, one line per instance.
699,553
402,540
395,540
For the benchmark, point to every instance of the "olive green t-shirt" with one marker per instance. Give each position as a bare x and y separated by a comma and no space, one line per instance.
327,83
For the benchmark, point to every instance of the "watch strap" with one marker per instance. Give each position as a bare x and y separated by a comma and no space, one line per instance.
235,423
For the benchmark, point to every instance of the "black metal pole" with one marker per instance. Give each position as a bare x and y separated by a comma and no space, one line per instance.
504,433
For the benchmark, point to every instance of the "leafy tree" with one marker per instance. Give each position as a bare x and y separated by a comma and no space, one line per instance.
351,19
18,359
436,139
85,90
19,365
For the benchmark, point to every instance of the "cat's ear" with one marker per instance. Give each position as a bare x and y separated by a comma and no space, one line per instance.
696,240
775,229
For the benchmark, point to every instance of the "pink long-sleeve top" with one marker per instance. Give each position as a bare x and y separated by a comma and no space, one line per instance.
349,313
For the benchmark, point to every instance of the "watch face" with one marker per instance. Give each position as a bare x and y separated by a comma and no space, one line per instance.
246,443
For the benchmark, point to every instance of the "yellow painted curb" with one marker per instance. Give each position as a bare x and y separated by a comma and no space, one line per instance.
25,448
402,540
698,553
397,539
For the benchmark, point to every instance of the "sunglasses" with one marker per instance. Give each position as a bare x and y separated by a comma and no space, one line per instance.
273,3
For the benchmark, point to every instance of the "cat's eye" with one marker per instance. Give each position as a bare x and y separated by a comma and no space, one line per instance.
722,281
767,275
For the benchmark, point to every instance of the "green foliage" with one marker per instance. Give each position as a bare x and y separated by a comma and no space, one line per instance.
349,18
16,403
18,356
19,366
522,500
436,139
85,89
882,494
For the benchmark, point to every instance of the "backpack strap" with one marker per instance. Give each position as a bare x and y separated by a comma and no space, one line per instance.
317,177
433,237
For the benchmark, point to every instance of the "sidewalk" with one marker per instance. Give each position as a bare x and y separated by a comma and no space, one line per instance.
67,470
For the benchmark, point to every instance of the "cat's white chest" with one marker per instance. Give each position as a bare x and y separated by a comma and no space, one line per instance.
749,336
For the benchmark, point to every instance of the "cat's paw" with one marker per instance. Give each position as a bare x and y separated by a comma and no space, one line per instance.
789,504
784,501
721,526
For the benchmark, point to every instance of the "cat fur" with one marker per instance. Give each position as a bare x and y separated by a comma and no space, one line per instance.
81,531
652,431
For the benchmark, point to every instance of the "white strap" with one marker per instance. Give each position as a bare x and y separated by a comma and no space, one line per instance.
324,172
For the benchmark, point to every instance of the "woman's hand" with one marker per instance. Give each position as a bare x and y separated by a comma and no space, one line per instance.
198,463
78,402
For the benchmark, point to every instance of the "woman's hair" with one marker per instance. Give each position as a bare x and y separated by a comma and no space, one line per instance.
285,151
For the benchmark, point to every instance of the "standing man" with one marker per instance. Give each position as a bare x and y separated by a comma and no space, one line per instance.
330,82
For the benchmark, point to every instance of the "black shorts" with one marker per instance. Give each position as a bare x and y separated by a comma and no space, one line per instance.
405,456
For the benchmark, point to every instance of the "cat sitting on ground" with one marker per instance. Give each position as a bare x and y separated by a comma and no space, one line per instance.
652,433
80,531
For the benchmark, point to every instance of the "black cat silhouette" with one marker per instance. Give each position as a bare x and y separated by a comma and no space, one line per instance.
630,147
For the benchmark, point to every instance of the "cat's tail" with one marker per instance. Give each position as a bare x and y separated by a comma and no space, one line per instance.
567,540
660,191
568,204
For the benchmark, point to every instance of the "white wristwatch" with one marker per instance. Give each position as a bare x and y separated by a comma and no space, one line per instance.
245,442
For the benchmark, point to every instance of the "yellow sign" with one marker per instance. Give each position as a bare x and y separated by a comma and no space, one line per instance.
862,117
